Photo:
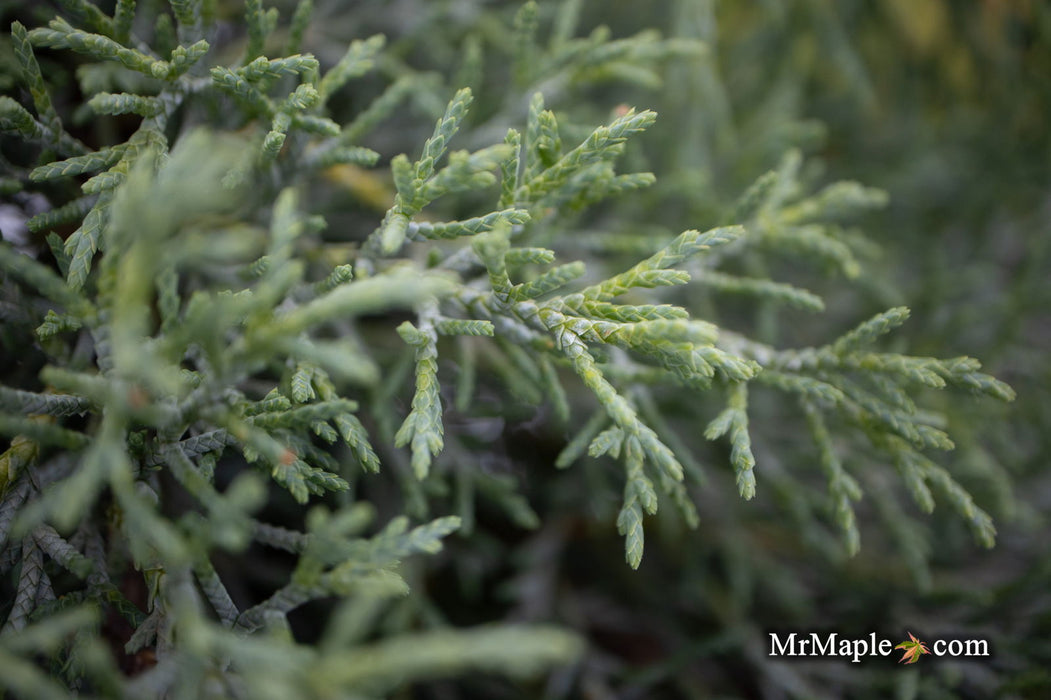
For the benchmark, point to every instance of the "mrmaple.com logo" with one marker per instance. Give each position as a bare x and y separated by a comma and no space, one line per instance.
831,644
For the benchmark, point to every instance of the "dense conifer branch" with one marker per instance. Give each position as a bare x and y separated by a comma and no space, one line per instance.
201,335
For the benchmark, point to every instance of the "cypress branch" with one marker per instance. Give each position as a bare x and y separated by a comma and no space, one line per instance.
423,428
223,317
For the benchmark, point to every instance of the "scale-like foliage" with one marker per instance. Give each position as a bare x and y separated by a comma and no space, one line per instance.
205,338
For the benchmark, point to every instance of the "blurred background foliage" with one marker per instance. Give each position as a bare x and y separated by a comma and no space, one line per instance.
943,105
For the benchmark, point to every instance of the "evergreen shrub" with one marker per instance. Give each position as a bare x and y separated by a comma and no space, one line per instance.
272,341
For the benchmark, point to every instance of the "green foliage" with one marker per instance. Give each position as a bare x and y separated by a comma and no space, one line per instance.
224,335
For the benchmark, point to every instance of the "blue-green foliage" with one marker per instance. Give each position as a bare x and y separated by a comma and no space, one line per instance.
198,321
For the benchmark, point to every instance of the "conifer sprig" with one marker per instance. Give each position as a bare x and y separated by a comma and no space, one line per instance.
201,335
